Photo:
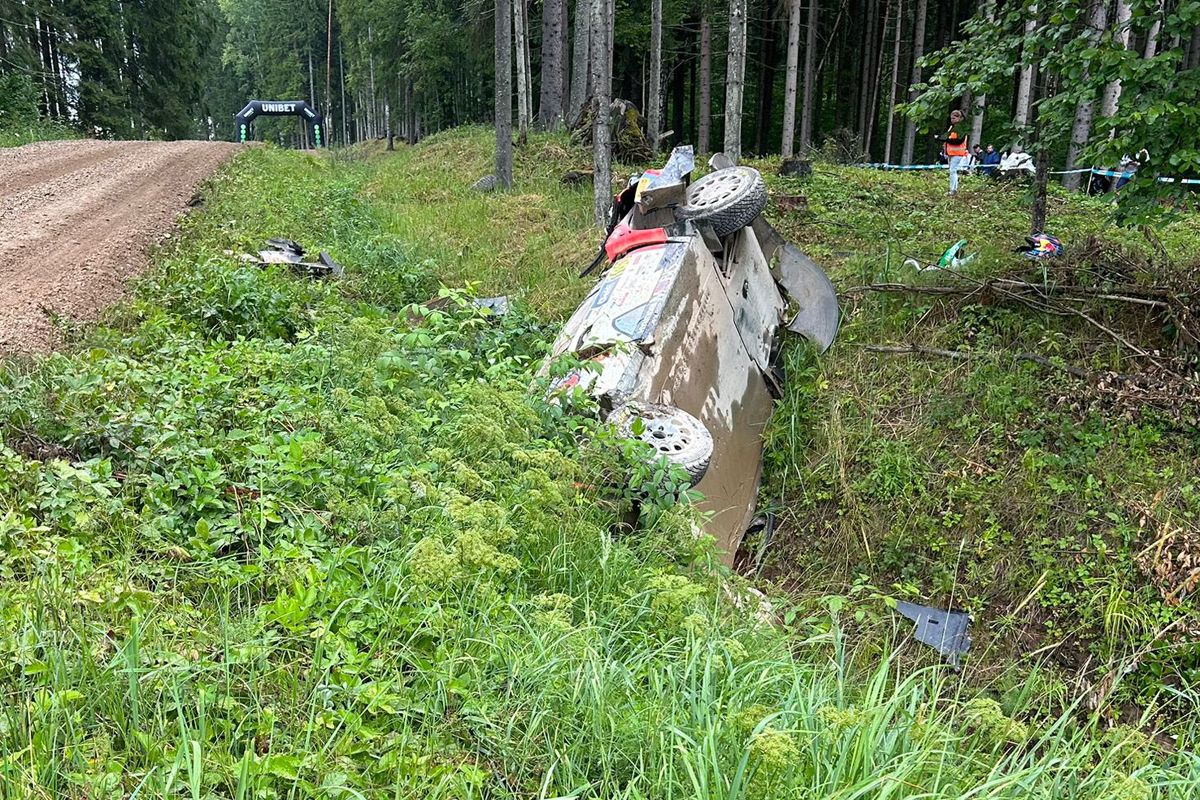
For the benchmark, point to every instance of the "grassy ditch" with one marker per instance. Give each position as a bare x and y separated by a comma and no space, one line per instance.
1062,510
267,537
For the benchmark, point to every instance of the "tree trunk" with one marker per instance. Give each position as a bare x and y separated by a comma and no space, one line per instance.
564,58
1193,54
810,67
1025,82
550,100
654,101
345,120
1081,129
1112,91
704,135
876,82
523,111
866,68
678,95
387,123
918,49
1151,48
766,81
735,79
981,101
581,63
601,72
895,85
503,114
793,74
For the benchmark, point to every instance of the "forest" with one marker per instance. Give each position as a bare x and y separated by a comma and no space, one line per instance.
871,79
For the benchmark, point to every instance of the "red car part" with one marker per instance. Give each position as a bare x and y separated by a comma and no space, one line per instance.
624,238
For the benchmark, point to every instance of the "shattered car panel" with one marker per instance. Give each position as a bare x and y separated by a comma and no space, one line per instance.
686,320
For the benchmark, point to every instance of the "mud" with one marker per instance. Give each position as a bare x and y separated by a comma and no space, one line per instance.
76,222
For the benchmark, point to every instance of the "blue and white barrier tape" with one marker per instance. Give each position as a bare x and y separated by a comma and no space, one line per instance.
1108,173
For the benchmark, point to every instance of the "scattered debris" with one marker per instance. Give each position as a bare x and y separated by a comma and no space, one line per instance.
291,253
955,257
791,202
1041,245
1016,164
795,168
576,177
944,631
488,183
497,305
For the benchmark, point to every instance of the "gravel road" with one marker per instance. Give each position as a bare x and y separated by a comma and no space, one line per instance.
76,221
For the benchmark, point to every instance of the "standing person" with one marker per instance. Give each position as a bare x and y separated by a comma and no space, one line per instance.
956,148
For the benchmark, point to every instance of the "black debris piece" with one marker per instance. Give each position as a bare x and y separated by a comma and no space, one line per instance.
497,305
944,631
795,168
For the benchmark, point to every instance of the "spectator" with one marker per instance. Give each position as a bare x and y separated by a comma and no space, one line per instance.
990,160
956,147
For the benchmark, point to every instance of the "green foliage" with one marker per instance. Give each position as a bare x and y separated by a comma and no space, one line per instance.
18,101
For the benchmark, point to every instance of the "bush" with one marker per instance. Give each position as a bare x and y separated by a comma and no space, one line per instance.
18,101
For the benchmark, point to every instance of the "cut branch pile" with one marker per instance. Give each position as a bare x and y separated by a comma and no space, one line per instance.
1155,325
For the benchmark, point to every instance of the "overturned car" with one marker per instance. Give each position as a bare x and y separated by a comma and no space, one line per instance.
680,336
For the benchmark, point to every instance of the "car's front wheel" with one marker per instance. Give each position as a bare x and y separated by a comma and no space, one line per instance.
674,433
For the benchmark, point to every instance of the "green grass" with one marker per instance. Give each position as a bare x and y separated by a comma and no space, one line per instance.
532,242
262,537
16,136
1057,514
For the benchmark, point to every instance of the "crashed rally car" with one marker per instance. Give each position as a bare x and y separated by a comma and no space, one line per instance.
680,335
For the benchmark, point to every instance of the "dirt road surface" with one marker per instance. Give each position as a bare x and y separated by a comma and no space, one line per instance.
76,221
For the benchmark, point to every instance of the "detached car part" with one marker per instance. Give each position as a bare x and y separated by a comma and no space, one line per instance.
680,333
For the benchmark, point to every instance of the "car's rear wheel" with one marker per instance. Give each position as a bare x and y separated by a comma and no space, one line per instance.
728,199
672,432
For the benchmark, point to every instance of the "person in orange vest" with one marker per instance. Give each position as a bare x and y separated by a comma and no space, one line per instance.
956,147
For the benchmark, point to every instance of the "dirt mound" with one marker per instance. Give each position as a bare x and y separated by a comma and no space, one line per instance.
76,220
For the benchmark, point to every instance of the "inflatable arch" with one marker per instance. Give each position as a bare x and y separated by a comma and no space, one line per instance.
280,108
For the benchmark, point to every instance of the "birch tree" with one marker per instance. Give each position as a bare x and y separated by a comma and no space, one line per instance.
1112,90
1081,128
1151,48
654,101
735,79
918,49
523,110
1028,70
789,90
602,19
503,114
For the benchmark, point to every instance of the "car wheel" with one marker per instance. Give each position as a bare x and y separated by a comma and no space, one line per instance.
672,432
728,199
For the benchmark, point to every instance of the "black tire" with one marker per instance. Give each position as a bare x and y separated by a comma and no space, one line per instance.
728,199
672,432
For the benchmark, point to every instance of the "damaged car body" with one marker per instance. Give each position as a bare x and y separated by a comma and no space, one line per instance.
680,335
